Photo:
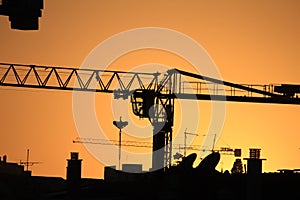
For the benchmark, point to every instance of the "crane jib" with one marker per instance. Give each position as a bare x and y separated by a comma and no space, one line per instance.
150,97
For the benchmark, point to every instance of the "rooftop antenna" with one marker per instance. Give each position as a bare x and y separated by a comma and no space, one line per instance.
120,125
185,137
27,163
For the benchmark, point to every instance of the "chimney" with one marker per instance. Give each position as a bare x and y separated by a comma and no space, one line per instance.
254,162
254,171
74,174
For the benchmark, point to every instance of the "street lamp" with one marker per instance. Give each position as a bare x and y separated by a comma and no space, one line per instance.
120,125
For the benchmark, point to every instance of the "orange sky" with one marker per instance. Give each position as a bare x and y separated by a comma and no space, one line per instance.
254,42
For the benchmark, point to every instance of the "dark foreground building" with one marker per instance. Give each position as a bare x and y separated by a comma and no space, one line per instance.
182,181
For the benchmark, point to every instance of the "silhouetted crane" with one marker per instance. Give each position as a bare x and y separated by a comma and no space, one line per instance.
151,98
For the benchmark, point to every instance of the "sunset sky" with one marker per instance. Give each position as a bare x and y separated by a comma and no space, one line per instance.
249,42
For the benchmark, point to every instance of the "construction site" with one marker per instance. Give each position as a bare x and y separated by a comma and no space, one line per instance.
132,121
172,174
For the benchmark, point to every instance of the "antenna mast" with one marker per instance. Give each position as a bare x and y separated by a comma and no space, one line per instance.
185,137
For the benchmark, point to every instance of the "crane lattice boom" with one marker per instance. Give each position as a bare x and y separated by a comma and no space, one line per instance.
151,97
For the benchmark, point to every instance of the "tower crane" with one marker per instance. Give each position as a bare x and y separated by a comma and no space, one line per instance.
153,98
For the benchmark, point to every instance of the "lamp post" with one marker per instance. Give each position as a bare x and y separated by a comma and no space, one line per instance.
120,125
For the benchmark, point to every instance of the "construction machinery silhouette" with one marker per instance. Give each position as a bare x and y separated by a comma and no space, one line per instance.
151,97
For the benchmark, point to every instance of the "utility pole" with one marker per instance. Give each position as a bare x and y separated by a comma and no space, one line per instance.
185,138
120,125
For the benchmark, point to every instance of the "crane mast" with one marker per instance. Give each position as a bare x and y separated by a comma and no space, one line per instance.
150,97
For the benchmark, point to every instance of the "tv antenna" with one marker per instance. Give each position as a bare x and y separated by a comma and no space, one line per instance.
27,163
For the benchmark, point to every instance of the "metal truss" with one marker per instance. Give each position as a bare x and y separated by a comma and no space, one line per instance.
150,97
